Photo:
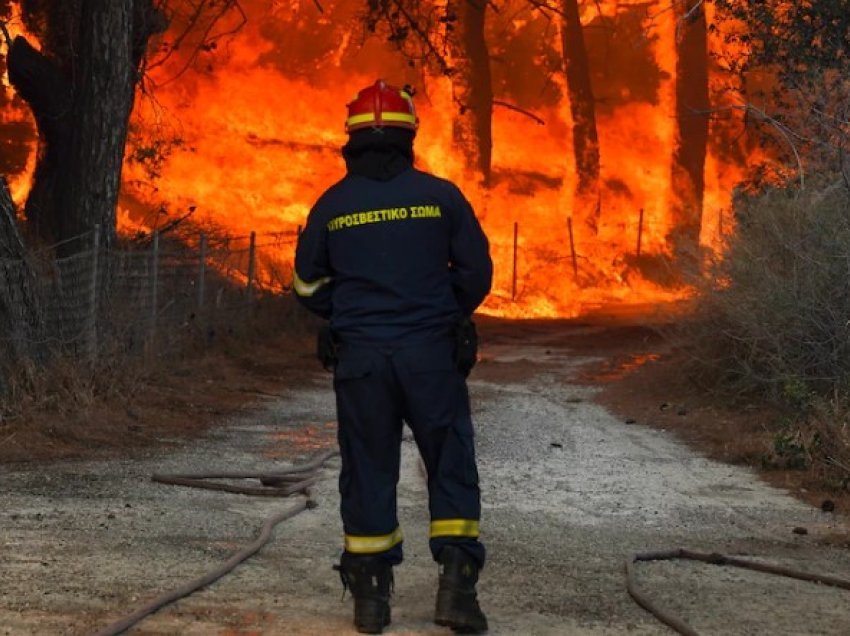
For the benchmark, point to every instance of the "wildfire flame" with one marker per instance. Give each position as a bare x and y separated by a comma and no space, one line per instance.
17,122
253,131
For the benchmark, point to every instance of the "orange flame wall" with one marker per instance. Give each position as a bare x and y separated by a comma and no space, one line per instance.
259,124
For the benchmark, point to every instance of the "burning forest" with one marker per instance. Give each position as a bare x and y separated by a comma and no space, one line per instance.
582,131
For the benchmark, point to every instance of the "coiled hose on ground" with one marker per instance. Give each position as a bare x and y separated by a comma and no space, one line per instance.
675,622
278,484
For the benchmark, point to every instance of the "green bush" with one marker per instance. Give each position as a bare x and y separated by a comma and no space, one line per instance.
773,321
774,313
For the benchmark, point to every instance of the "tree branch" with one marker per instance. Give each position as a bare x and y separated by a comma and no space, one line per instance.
682,22
174,223
538,120
206,41
545,6
783,130
423,36
672,7
178,41
690,13
6,35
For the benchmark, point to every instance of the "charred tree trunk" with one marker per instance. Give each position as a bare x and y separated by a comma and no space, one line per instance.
472,88
101,112
692,102
41,84
583,109
80,87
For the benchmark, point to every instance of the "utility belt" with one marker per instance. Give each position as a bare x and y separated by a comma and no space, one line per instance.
464,333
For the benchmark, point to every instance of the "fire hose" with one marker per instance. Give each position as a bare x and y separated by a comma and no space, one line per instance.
679,625
297,480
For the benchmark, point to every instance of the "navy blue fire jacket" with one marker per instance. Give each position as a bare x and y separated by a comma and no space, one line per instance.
396,261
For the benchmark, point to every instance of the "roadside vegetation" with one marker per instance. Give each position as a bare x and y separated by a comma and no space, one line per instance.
773,320
773,317
127,399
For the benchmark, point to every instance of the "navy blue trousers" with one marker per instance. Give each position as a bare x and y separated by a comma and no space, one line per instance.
377,390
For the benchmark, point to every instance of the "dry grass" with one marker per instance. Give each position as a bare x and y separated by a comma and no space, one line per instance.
68,407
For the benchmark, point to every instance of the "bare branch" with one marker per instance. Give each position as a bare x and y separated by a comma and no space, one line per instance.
545,6
683,19
787,133
178,41
6,35
692,11
174,223
682,22
670,7
421,33
243,21
207,40
318,6
538,120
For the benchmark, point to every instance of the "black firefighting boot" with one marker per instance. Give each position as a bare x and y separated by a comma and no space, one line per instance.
370,580
457,600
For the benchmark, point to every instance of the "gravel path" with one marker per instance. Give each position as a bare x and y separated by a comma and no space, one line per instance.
568,492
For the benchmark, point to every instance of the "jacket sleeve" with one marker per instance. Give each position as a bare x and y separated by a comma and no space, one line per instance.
471,268
312,280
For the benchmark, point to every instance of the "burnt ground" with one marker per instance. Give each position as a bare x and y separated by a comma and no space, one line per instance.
561,493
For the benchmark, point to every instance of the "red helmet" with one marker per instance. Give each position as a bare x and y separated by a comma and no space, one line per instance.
382,105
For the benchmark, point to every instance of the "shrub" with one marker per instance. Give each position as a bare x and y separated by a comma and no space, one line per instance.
774,312
773,320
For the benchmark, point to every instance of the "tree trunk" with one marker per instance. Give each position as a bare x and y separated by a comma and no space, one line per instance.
583,109
80,88
42,85
472,89
692,102
101,112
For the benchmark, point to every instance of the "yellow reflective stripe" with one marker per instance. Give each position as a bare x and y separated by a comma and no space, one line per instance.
370,545
360,119
305,289
454,528
405,117
368,118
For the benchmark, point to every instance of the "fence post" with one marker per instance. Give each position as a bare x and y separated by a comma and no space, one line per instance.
252,255
91,328
572,248
202,271
640,231
154,286
513,280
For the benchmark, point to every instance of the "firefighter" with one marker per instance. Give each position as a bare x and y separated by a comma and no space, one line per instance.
397,262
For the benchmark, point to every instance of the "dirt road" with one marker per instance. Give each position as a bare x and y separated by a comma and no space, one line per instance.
569,491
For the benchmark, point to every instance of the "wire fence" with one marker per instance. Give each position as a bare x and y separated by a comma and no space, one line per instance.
143,295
